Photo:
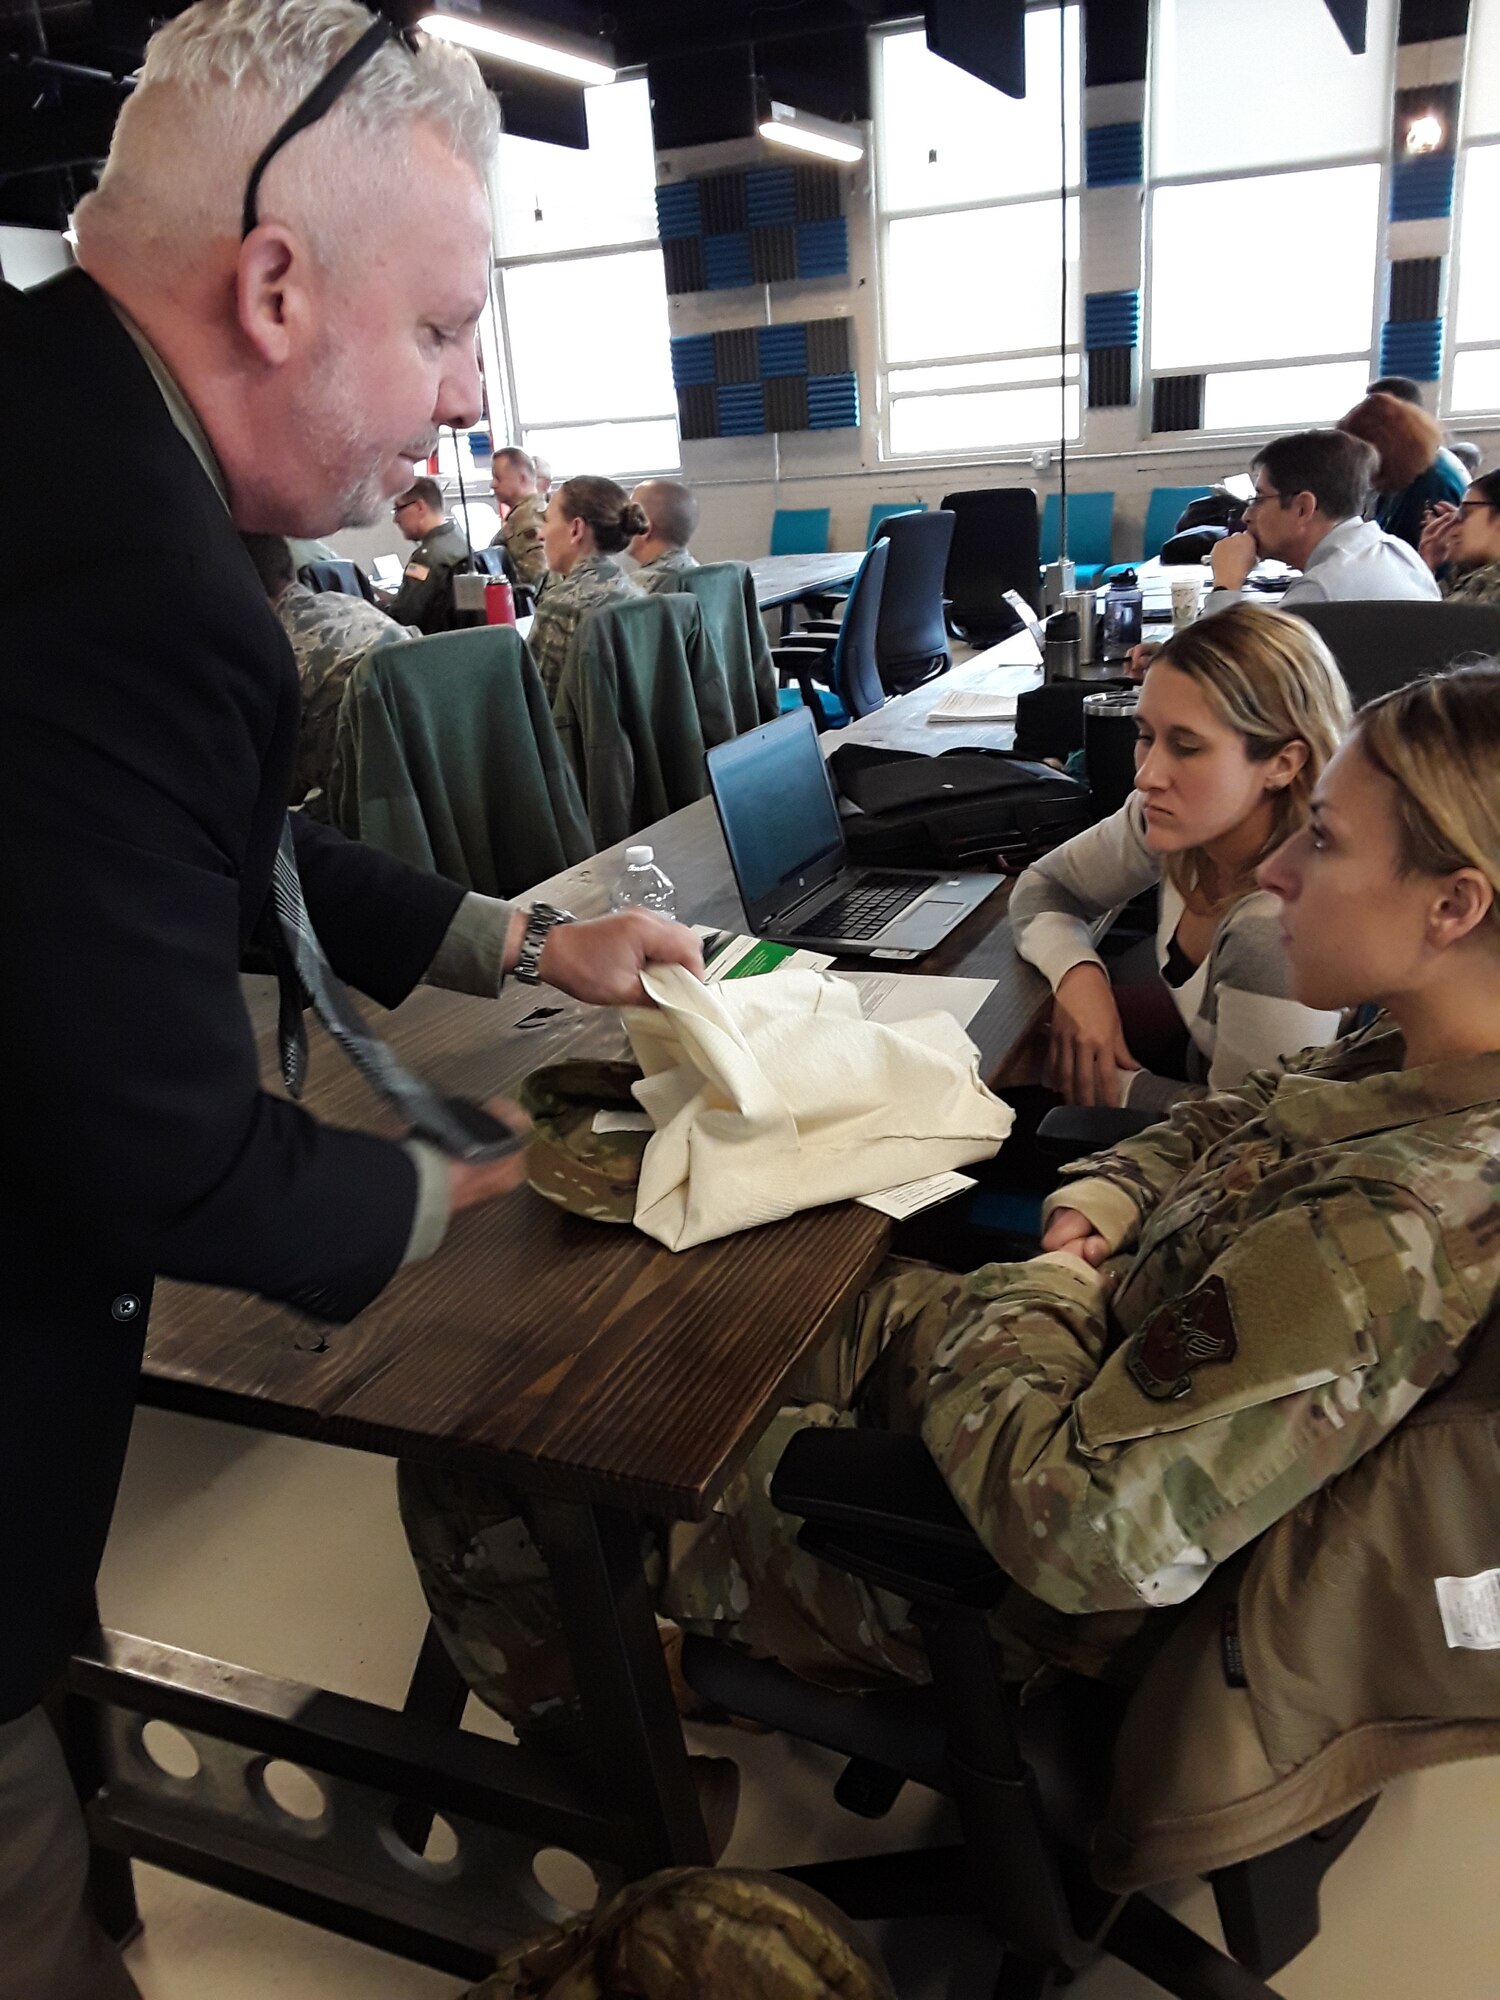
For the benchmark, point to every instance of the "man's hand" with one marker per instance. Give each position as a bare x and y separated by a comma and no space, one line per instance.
1232,561
1438,525
1070,1231
601,961
1086,1049
469,1185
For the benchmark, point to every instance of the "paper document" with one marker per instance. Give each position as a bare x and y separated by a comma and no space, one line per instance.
914,1196
982,706
622,1121
726,956
889,997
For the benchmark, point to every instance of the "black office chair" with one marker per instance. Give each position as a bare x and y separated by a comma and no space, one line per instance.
1030,1781
1381,644
336,574
911,641
841,658
996,548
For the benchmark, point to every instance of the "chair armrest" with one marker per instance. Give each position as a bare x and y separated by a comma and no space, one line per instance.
875,1505
799,665
1070,1130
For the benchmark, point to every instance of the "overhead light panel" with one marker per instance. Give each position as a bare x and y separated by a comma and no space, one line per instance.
508,45
805,132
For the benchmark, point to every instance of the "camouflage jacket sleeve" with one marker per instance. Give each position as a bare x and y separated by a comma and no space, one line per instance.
1107,1478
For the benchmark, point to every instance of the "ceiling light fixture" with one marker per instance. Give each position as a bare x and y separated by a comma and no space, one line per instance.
1425,133
484,38
805,132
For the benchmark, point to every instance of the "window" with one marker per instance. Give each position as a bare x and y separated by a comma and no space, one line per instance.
579,351
1474,384
1264,211
971,221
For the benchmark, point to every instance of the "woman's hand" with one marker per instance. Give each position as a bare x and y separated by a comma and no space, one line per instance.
1086,1049
1070,1231
1438,525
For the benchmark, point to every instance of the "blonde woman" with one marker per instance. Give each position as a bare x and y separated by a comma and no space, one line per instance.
588,522
1238,716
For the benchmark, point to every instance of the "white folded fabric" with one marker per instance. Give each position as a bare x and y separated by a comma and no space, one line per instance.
774,1094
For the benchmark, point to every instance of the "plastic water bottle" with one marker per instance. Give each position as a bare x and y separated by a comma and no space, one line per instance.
641,885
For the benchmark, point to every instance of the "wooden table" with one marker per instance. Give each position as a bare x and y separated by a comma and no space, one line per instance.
784,579
604,1375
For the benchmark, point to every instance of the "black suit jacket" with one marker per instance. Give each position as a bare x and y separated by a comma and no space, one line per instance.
148,720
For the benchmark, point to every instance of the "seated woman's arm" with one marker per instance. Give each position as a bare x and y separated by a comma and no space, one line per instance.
1058,899
1111,1480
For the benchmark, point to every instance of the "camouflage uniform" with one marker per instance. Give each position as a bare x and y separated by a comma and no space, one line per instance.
591,582
659,572
1297,1262
330,634
422,599
520,535
1480,585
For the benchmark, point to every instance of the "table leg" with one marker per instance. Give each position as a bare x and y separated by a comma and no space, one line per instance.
438,1693
111,1889
593,1556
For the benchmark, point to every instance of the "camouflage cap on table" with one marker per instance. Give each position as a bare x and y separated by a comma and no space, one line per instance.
590,1173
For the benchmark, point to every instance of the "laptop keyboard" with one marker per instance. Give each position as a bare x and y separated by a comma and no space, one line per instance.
865,911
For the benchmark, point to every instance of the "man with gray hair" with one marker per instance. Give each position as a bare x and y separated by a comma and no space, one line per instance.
671,511
282,271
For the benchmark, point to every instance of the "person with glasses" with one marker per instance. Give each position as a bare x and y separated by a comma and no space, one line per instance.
425,596
1310,493
1461,543
279,280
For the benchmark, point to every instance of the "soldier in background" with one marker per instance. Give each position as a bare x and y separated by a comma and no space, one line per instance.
671,511
331,633
426,585
588,522
1228,1311
513,483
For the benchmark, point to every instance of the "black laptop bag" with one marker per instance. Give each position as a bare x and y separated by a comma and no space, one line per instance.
964,808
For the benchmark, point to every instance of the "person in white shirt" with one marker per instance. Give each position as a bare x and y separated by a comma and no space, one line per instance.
1310,492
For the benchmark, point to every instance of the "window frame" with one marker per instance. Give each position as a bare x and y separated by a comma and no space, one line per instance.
1046,376
1468,144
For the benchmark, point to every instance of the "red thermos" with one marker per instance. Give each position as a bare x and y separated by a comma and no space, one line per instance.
499,602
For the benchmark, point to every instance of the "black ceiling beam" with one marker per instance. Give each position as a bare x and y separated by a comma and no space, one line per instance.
985,37
1351,19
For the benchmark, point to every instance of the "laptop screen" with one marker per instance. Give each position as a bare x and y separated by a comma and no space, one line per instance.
776,807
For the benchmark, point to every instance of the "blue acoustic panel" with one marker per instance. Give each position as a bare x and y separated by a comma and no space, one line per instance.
823,248
742,409
832,402
783,350
1112,319
1113,155
692,359
1422,187
726,260
677,211
770,196
1412,347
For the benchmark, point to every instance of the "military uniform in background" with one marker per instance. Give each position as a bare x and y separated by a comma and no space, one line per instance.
1297,1263
592,581
423,599
520,535
330,634
1480,585
657,574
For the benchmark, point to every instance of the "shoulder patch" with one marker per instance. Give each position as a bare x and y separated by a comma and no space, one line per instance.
1190,1333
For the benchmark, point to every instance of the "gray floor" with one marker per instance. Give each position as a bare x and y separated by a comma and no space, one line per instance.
289,1558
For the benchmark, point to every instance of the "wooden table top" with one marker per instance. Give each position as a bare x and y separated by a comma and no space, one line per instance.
783,579
582,1360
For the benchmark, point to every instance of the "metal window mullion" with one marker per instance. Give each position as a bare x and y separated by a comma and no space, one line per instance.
524,259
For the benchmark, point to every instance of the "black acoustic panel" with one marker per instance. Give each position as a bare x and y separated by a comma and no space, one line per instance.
985,37
700,100
697,412
1116,35
723,201
542,107
684,261
737,355
1416,288
1177,403
773,253
827,72
1111,377
819,194
786,402
1349,17
1432,20
828,347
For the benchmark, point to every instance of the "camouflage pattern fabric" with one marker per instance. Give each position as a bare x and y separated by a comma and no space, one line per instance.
687,1932
331,633
1297,1263
520,536
1480,585
590,1173
658,574
564,605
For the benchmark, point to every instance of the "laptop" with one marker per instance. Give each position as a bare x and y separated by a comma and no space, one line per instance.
786,847
388,572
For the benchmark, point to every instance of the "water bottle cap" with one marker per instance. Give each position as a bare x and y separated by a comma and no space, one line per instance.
639,857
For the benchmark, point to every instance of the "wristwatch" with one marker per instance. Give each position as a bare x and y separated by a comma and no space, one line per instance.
541,918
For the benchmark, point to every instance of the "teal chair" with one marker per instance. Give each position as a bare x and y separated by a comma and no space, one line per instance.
883,510
1091,520
1162,511
800,531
